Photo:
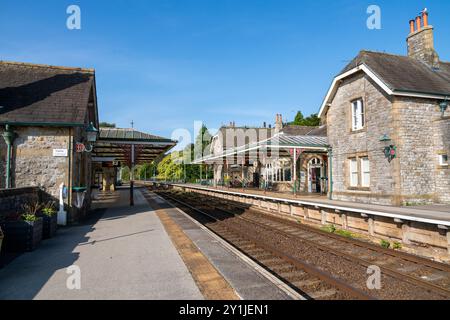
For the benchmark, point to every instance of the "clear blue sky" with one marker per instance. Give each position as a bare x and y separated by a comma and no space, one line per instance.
167,63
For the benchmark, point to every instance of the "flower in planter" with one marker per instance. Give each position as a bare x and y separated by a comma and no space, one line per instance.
29,217
49,209
30,210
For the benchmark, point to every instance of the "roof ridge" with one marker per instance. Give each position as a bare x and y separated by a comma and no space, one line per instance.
37,65
395,55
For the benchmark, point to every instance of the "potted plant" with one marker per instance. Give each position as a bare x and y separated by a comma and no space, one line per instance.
49,220
23,232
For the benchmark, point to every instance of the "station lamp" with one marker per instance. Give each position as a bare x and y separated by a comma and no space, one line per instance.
443,106
390,150
92,133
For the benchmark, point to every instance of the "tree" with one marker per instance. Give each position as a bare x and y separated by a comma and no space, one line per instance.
202,142
107,125
311,121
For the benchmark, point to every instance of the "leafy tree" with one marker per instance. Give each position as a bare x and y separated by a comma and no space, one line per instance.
202,143
311,121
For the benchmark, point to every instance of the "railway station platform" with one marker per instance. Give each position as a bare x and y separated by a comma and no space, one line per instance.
436,214
149,251
422,230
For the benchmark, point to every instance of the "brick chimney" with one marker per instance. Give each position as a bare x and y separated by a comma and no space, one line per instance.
420,41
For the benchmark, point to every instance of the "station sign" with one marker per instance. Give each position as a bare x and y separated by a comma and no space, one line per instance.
60,152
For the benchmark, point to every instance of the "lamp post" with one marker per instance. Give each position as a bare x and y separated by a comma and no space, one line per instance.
9,137
443,106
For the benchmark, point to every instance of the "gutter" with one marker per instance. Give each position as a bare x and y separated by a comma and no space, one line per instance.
9,137
42,124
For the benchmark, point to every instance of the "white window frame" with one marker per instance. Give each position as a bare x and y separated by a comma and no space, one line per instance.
353,170
442,161
365,172
358,119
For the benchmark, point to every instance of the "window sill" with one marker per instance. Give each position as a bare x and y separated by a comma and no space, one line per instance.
358,188
443,166
358,131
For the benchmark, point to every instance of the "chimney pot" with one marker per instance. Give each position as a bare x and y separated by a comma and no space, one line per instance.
425,18
411,26
418,23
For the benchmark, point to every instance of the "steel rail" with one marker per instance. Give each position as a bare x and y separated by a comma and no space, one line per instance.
387,270
326,277
396,254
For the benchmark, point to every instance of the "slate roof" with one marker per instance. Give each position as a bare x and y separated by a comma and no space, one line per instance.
402,73
42,94
294,130
129,134
298,141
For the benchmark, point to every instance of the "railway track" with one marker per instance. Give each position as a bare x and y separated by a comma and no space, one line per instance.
405,276
305,278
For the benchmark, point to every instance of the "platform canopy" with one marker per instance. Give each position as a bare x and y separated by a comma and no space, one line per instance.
281,143
116,144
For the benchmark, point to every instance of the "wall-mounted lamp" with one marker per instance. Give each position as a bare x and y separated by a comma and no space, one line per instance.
390,150
443,106
92,134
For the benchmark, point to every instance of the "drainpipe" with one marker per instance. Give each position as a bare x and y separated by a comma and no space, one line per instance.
330,178
9,137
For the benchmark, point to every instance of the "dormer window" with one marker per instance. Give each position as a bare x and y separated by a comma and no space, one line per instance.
357,115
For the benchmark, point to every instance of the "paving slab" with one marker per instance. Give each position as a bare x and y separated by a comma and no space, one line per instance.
123,254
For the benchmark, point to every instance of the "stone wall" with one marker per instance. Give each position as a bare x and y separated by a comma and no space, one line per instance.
442,146
12,200
421,134
366,142
415,127
33,162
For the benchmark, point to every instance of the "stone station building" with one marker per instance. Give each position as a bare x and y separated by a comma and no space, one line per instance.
389,127
45,110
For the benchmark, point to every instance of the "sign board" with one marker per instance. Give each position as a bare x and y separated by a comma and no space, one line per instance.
60,152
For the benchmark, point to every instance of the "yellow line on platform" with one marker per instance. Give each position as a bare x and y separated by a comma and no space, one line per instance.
210,282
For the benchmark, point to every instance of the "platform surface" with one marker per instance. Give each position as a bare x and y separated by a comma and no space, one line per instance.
435,214
122,253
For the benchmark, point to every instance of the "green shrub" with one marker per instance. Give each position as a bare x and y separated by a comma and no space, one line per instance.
29,211
397,245
385,244
29,217
344,233
329,228
49,209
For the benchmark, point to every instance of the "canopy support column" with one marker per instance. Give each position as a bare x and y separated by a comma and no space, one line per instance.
132,177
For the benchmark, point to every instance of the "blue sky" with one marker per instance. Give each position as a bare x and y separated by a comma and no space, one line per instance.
166,63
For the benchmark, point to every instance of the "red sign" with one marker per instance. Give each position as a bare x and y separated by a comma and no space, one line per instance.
79,147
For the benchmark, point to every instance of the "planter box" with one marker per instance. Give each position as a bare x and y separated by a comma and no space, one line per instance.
1,239
49,226
22,236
